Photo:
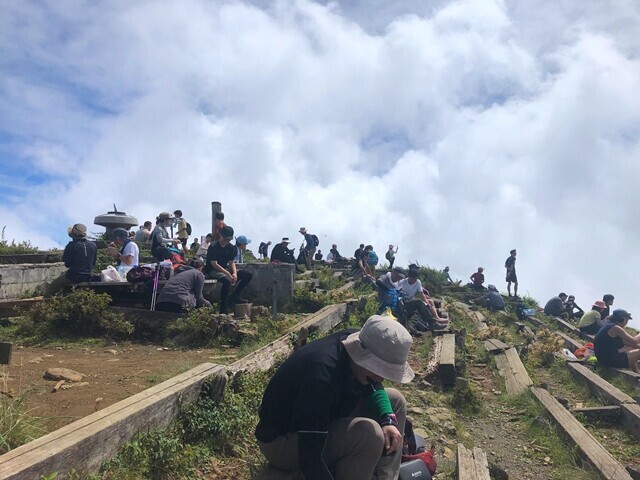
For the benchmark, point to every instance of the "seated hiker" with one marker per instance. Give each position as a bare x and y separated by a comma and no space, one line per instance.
123,249
144,232
281,252
491,300
336,254
79,257
218,226
241,246
413,300
477,279
358,252
202,250
614,347
318,256
447,276
555,305
195,246
571,308
330,256
325,412
221,266
387,286
183,290
591,322
608,299
160,235
361,267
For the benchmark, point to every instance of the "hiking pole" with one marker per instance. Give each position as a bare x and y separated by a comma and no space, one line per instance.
154,295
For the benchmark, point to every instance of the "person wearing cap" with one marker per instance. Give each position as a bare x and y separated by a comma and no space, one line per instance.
160,236
387,286
79,257
241,246
221,266
391,255
608,301
281,253
325,412
181,228
491,300
308,247
123,249
613,345
183,290
591,321
477,279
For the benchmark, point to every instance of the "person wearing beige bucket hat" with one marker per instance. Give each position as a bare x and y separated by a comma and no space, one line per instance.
79,257
325,412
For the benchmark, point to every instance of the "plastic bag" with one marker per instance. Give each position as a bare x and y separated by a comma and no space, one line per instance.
110,274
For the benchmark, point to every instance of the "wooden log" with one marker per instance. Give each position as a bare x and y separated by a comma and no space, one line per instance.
590,449
447,360
569,342
264,358
536,321
626,373
510,367
493,345
609,413
598,385
87,443
12,308
471,464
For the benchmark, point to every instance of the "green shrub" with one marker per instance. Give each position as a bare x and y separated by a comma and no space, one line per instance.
81,313
14,248
197,328
306,301
432,279
466,399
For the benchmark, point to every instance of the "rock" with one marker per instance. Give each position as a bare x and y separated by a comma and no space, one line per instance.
112,351
67,386
497,473
258,311
63,374
417,410
462,382
36,360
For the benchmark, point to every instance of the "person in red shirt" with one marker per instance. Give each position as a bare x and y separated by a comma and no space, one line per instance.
477,279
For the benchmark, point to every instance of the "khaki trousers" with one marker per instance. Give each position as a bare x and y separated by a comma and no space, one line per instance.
354,449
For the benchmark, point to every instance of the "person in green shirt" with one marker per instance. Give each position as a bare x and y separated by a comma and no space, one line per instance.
590,322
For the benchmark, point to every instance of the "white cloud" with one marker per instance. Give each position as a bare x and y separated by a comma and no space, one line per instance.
457,130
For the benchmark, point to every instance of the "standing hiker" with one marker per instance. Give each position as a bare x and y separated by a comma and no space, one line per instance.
391,255
511,277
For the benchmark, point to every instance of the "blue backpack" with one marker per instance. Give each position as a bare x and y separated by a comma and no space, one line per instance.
373,258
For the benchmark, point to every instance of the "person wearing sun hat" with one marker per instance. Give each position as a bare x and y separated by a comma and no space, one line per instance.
591,321
613,345
325,412
241,245
79,257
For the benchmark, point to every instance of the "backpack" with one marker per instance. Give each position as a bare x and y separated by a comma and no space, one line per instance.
188,228
414,448
316,242
140,274
373,258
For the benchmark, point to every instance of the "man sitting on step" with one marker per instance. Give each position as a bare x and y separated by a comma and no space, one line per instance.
413,300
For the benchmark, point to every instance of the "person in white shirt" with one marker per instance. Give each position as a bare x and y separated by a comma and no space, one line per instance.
204,246
123,249
414,300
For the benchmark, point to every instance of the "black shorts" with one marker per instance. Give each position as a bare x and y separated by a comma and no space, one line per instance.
511,277
619,360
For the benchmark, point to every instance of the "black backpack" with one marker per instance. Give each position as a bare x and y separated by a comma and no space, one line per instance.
316,242
188,228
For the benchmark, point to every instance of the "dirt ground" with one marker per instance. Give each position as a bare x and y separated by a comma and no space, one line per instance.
111,373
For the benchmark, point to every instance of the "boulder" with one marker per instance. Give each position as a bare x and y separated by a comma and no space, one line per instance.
63,374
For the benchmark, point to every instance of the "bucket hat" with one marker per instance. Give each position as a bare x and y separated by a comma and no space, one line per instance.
599,304
77,231
382,347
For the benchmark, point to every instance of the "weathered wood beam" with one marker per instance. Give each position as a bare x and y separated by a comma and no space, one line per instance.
471,464
447,360
609,413
590,449
86,444
510,367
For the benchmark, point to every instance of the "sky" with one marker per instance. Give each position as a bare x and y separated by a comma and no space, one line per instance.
457,130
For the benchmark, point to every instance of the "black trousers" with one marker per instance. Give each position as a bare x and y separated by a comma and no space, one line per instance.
244,278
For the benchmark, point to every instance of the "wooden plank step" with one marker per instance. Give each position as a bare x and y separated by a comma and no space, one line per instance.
493,345
10,308
564,325
536,321
570,343
471,464
624,372
598,385
608,413
590,449
447,360
510,367
87,443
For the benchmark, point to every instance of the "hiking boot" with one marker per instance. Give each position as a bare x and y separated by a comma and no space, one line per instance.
414,332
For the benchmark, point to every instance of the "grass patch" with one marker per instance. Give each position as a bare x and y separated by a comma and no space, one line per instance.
17,426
